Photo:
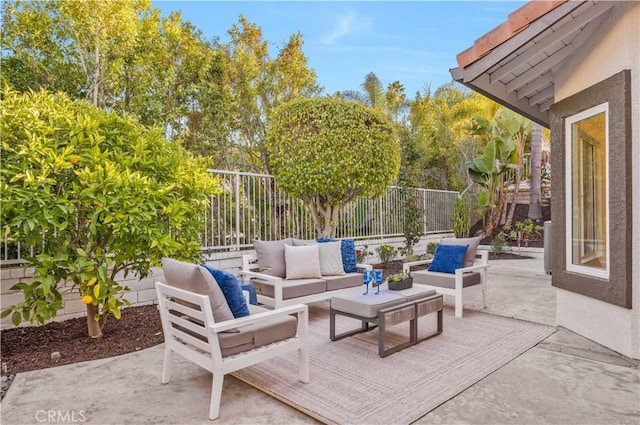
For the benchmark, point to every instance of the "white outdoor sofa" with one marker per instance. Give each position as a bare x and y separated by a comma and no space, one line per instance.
278,292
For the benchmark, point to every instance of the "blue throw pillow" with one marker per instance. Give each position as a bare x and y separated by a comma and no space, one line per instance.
448,258
348,250
247,285
231,289
349,260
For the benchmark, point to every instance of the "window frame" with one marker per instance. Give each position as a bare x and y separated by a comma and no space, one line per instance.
569,122
617,288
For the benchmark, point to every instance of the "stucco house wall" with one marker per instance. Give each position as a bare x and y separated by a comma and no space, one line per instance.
613,48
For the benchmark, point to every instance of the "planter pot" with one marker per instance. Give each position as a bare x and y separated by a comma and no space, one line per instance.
403,284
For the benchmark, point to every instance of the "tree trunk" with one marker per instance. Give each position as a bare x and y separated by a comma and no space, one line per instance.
520,141
535,207
514,198
94,328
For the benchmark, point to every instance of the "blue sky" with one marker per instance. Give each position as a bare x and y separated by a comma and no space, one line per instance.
415,42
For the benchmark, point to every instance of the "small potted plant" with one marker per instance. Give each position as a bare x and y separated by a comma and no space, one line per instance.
400,281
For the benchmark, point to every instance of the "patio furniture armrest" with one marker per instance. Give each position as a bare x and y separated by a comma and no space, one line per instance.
406,267
257,318
364,266
473,268
262,276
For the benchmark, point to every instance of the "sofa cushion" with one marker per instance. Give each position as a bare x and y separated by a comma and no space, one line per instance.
271,256
331,259
302,262
195,278
349,280
444,280
259,334
292,288
448,258
231,289
470,256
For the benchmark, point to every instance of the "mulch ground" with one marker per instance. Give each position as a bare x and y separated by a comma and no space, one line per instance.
30,348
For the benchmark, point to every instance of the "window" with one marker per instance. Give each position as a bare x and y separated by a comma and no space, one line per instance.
592,210
588,191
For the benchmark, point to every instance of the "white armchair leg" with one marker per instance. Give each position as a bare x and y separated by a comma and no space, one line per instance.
483,277
216,395
459,305
167,364
458,291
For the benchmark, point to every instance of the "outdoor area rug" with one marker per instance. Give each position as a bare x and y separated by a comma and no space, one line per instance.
350,384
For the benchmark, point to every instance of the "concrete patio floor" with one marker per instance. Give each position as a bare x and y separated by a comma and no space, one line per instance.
566,379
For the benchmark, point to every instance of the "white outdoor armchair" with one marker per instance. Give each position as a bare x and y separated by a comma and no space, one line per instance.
191,331
464,282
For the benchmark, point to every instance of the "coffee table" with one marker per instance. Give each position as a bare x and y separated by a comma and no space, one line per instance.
389,308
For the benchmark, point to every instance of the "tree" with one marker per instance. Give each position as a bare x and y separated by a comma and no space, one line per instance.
327,151
259,83
94,195
535,206
92,26
517,128
36,52
392,102
439,132
489,167
412,221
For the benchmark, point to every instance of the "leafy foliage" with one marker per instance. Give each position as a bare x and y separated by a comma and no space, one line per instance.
94,195
461,221
437,142
507,133
124,56
413,227
386,252
498,243
362,253
328,151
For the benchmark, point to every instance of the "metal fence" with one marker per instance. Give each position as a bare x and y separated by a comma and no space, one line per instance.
252,206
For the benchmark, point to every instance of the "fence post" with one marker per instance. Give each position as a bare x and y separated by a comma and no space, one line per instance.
237,201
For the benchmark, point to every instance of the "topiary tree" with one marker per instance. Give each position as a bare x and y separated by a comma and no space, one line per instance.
94,195
327,151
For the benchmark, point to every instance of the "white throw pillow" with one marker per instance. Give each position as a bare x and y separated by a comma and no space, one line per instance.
302,262
331,259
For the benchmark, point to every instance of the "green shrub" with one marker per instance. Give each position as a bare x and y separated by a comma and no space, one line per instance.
412,224
498,243
386,252
461,219
96,195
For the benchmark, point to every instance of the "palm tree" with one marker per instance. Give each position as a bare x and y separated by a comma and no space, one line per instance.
535,207
392,102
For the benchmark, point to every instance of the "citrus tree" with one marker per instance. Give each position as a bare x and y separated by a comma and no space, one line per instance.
93,195
327,151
